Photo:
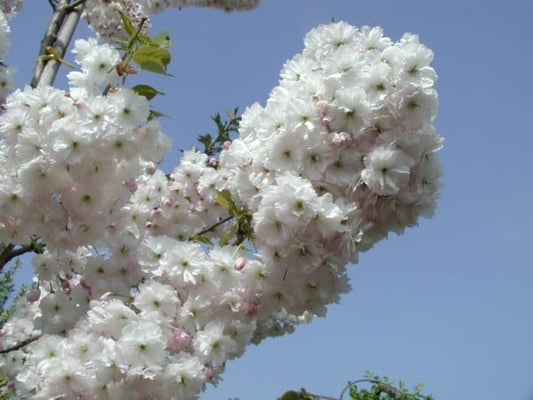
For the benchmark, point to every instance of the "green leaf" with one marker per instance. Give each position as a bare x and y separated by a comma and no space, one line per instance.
290,395
128,25
147,91
162,39
154,59
147,40
155,114
202,239
225,237
224,199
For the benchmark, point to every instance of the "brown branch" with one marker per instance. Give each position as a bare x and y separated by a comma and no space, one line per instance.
9,252
213,227
20,345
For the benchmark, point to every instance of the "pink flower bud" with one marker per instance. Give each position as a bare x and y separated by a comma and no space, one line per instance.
131,185
33,294
227,144
209,373
213,162
240,263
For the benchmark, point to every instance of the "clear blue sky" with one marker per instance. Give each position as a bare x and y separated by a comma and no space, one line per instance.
449,302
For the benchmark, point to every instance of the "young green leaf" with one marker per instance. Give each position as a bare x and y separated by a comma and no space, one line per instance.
155,114
147,91
162,39
202,239
154,59
224,199
128,25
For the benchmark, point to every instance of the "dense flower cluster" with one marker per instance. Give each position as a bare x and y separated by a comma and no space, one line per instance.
139,293
104,17
352,117
66,156
6,72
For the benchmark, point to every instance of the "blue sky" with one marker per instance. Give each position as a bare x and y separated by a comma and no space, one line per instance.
449,302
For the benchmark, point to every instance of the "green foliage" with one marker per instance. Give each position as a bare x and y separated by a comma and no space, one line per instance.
383,389
7,288
148,53
291,395
242,227
213,147
377,388
5,392
152,58
147,91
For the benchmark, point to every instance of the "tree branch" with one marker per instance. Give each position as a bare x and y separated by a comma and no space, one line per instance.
9,252
58,36
75,4
20,345
214,226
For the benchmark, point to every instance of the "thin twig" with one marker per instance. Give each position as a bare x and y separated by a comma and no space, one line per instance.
213,227
20,345
53,3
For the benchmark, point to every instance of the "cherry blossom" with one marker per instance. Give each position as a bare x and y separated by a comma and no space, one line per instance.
150,281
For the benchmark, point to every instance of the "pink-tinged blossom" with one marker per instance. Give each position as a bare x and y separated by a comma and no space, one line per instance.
343,152
213,345
155,296
179,339
141,349
386,170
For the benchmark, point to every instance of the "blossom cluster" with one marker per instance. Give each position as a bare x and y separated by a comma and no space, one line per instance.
6,72
149,281
352,117
66,158
105,19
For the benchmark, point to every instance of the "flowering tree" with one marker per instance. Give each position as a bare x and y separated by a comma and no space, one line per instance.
146,282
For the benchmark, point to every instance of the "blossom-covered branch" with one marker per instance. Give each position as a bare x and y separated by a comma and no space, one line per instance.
124,303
